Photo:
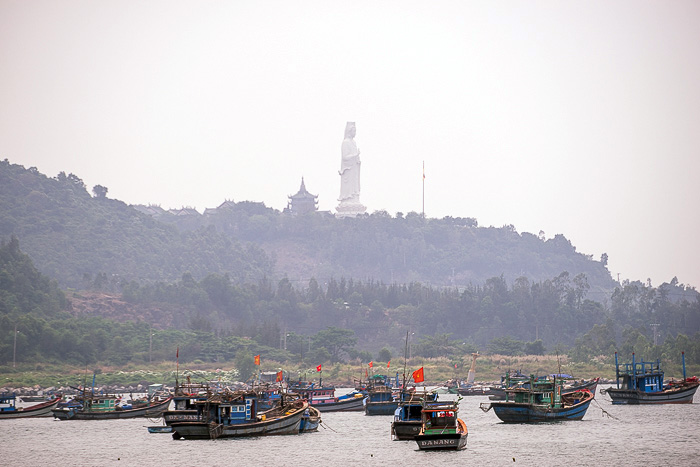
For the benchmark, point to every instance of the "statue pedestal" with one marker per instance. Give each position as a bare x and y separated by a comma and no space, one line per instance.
350,209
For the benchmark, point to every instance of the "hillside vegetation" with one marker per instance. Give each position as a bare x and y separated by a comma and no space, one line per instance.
90,280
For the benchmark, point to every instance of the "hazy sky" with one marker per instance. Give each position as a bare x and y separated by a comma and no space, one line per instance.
579,118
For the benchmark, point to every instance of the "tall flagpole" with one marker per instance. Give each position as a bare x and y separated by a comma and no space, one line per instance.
423,189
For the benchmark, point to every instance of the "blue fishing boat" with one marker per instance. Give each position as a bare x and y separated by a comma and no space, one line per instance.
381,401
540,401
310,420
643,383
407,416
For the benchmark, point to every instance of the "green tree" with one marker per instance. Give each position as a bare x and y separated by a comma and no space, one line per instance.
336,340
384,355
505,346
245,364
534,348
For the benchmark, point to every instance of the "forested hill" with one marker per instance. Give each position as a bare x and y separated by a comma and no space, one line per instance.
79,238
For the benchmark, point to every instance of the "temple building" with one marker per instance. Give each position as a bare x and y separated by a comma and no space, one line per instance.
303,202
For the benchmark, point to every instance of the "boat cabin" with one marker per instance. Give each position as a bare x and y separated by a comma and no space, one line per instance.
639,376
537,392
439,417
408,412
229,411
7,403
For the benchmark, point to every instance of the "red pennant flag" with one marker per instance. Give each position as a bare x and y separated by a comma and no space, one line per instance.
257,359
318,368
280,376
388,363
370,364
418,376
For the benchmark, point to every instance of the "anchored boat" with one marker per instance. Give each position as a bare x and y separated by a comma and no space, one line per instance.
643,383
9,409
540,401
234,414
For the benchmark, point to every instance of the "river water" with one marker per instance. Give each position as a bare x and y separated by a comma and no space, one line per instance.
612,435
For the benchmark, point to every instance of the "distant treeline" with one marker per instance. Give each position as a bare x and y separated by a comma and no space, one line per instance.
343,319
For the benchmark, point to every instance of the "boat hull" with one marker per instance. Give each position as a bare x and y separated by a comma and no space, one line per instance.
381,408
681,395
172,416
450,441
152,411
160,429
405,430
348,405
515,412
39,410
310,420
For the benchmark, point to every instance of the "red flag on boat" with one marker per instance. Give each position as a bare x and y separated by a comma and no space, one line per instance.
370,364
318,368
418,376
388,363
257,359
280,376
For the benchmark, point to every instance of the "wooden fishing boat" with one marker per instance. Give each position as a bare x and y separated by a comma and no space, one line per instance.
185,396
568,385
441,429
233,415
540,401
407,421
643,383
310,420
9,409
380,401
407,416
324,399
107,407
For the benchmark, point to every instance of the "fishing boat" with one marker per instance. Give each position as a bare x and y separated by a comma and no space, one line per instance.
540,401
324,399
9,409
310,420
106,407
407,416
380,401
643,383
234,414
441,428
185,397
569,385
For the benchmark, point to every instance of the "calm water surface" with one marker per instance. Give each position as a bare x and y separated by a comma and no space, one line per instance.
631,435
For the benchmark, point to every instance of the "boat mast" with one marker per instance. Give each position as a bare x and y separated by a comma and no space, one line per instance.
472,370
683,358
405,350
